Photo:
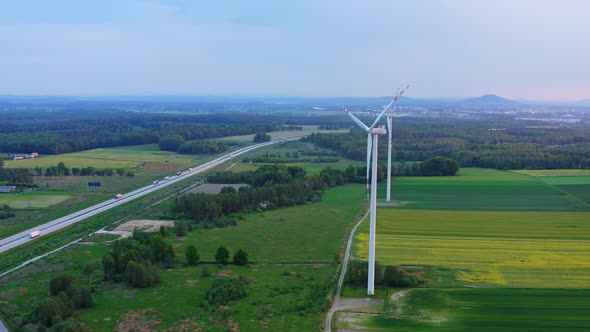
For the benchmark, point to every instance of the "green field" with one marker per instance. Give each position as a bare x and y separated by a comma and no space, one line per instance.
580,191
566,180
280,151
467,309
555,172
480,189
31,200
307,130
263,235
517,249
120,157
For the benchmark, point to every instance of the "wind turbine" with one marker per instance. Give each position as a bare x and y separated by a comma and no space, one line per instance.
368,130
372,144
398,94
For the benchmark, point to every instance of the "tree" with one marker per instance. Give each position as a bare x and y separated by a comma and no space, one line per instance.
222,255
180,228
192,256
163,231
108,264
261,137
241,257
60,283
142,277
88,271
130,273
439,166
82,297
47,309
171,142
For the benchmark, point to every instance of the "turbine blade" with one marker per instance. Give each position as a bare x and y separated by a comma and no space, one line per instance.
383,112
356,120
398,93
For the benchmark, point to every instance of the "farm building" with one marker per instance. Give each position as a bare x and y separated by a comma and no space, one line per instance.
7,189
24,156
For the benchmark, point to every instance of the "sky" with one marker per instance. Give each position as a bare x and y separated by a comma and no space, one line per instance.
525,49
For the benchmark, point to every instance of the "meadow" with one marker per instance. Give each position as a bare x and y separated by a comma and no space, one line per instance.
31,200
554,172
119,157
307,130
282,151
286,282
479,309
263,235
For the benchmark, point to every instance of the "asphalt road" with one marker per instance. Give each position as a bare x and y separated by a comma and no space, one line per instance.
57,224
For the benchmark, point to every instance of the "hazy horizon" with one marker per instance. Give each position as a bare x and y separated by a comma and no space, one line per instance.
525,50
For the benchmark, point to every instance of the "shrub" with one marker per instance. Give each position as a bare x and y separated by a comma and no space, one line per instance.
240,257
223,291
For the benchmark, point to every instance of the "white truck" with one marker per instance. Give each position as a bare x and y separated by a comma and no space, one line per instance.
35,234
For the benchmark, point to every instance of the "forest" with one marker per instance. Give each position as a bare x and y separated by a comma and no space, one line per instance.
472,144
500,142
271,186
68,131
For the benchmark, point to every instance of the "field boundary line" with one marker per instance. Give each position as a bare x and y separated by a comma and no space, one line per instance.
570,196
334,308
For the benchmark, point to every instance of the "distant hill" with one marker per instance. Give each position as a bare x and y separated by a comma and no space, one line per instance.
486,101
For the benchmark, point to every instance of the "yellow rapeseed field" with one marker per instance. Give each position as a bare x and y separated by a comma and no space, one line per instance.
514,249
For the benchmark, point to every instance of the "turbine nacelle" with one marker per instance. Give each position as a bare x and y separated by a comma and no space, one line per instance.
379,131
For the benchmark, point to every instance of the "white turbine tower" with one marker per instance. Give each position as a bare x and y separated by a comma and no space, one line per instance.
398,94
372,144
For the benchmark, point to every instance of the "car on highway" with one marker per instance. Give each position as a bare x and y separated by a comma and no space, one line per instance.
34,234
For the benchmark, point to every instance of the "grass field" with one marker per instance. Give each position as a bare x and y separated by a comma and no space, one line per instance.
517,249
480,189
271,303
555,172
31,200
580,191
307,130
264,235
119,157
284,283
280,151
467,309
566,180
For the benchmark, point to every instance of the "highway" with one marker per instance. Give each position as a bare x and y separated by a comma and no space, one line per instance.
57,224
